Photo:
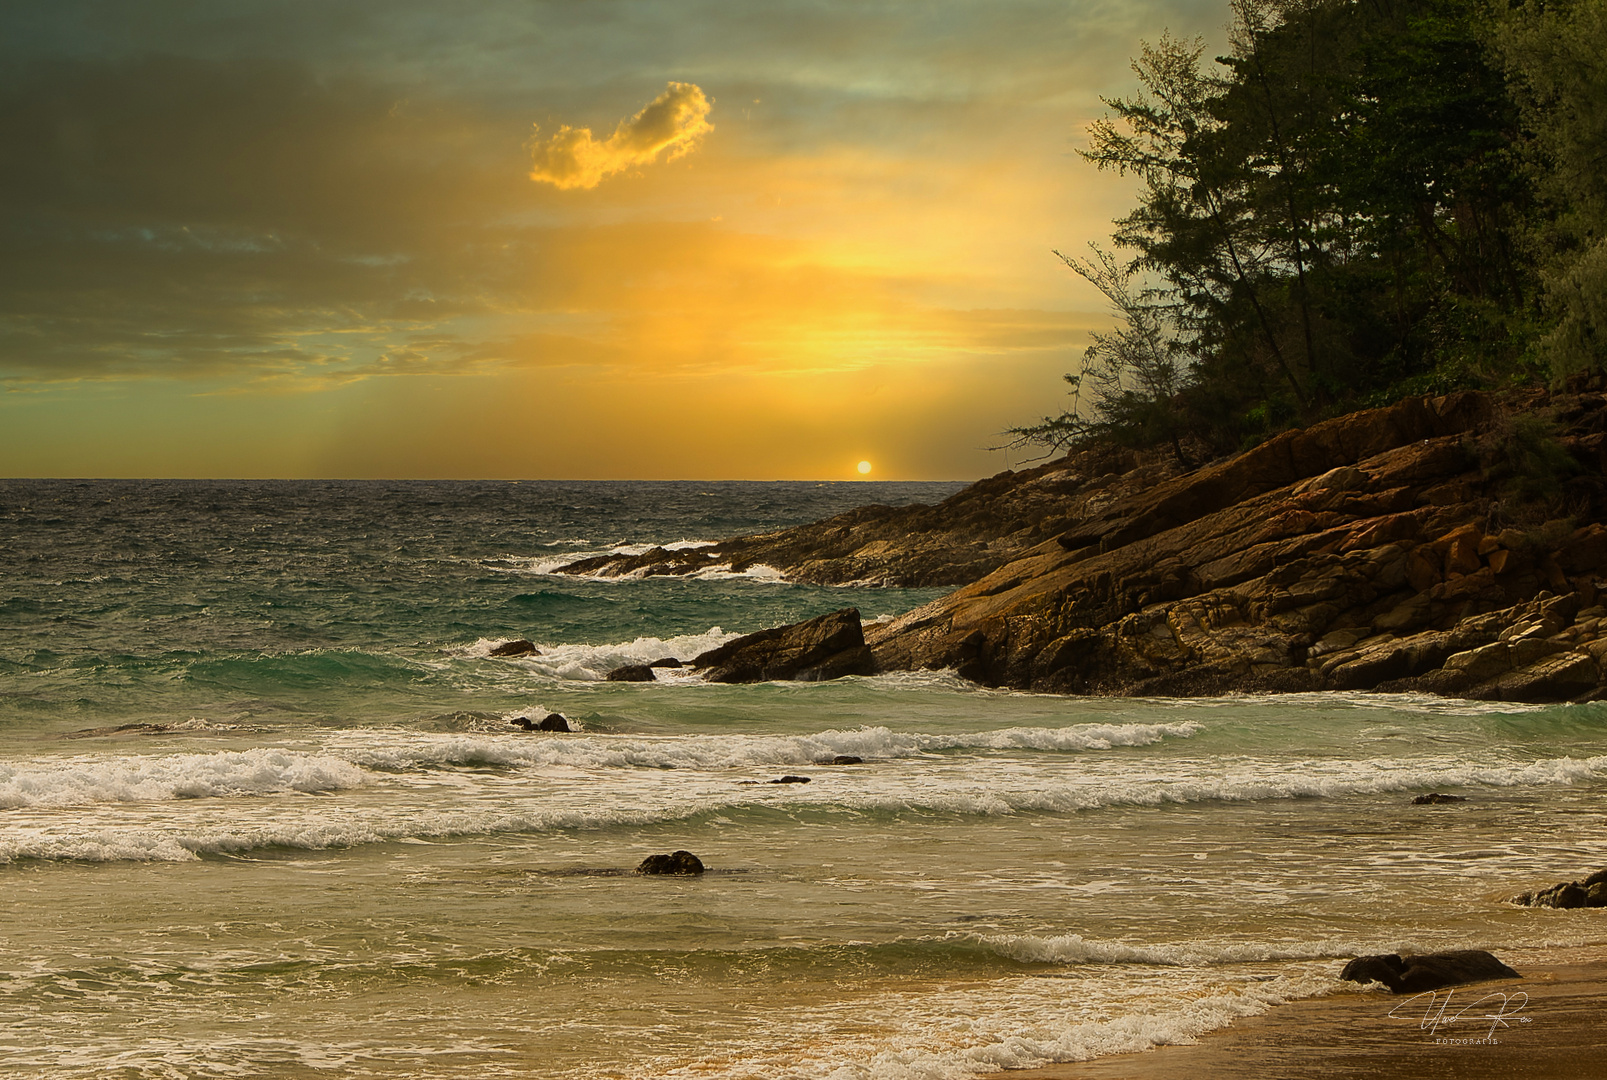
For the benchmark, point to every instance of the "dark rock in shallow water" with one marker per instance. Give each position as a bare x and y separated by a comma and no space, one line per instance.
1569,894
667,662
1592,892
827,647
553,722
632,673
844,759
790,780
1431,971
520,647
1435,798
677,862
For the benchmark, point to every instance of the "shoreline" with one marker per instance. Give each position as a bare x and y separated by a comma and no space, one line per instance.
1548,1025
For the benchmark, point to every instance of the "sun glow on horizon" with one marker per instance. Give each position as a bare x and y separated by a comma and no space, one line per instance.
864,468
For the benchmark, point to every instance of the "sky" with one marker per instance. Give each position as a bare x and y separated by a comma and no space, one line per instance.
581,239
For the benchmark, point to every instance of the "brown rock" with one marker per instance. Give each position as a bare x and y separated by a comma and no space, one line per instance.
631,673
826,647
1430,971
1353,553
677,862
520,647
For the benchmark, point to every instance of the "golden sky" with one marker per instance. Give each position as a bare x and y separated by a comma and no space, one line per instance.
745,239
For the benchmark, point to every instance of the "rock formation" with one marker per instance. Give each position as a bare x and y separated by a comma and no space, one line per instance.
1430,971
519,647
1450,544
1591,892
827,647
677,862
970,534
552,722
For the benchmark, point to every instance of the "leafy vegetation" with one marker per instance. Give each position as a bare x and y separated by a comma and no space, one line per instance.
1364,199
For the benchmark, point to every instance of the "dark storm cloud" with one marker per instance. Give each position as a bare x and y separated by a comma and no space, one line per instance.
168,212
193,187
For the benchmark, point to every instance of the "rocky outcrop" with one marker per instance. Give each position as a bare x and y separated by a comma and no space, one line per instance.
631,673
1381,550
1455,545
1591,892
1430,971
1437,798
518,647
827,647
970,534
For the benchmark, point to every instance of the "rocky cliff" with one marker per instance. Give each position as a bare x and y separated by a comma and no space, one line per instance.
1447,544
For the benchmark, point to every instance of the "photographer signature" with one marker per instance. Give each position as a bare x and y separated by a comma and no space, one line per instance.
1437,1014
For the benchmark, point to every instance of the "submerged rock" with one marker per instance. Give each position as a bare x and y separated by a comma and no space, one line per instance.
790,780
676,862
827,647
120,729
843,759
1435,798
521,647
632,673
1430,971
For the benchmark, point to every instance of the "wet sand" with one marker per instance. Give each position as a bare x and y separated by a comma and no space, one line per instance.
1549,1025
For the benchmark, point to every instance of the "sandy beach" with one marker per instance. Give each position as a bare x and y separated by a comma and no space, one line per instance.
1547,1025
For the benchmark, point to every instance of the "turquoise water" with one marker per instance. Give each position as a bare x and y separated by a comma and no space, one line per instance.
325,851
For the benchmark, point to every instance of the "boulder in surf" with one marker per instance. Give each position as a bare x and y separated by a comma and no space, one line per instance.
1429,971
676,862
828,647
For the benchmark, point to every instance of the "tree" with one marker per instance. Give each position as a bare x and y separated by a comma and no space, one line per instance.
1553,54
1132,372
1330,215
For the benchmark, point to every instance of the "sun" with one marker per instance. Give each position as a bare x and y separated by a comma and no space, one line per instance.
864,468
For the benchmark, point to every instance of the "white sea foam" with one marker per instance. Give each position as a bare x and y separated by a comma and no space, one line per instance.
589,663
593,662
1062,1036
545,565
713,752
175,840
79,781
1076,949
757,572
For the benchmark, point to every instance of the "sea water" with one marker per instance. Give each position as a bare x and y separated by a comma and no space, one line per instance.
263,811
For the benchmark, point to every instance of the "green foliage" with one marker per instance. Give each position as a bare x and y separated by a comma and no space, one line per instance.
1529,463
1131,373
1334,214
1553,54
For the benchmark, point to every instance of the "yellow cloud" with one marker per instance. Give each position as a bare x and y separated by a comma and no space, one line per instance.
673,121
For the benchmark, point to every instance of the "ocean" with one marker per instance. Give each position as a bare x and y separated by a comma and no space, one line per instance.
264,811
